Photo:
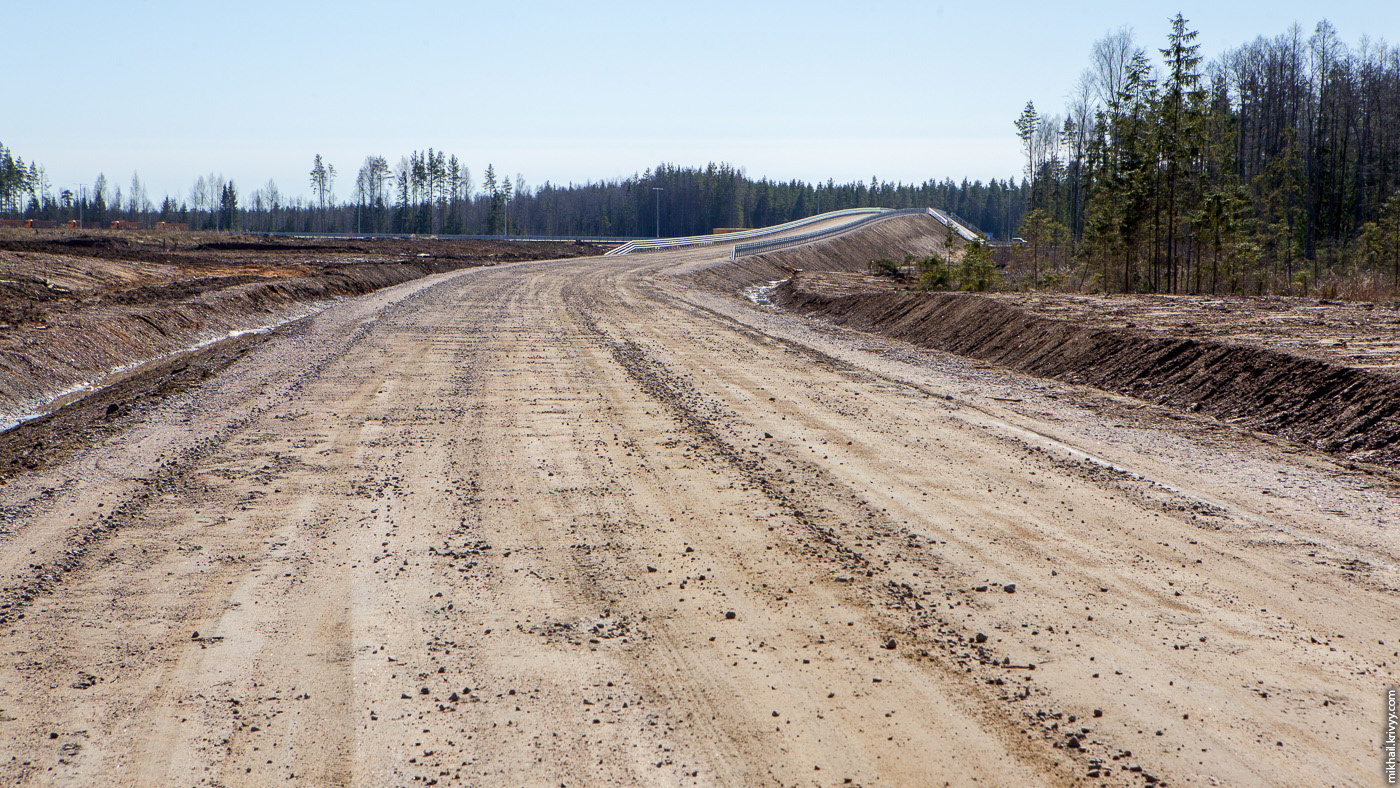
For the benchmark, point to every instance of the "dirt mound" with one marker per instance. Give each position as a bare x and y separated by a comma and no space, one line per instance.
1343,410
260,246
178,290
204,248
122,328
78,309
28,288
91,242
1349,333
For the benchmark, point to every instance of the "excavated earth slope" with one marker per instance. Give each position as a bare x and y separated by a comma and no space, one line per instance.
83,311
1344,410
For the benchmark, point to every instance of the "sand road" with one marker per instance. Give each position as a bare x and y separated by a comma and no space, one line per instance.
575,523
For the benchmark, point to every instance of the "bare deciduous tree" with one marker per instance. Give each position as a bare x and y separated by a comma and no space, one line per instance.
1108,64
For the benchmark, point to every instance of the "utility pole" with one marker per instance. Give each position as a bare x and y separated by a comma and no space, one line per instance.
658,191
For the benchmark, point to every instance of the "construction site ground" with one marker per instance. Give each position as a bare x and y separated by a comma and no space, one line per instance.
609,520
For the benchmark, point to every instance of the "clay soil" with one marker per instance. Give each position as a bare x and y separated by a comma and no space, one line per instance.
587,522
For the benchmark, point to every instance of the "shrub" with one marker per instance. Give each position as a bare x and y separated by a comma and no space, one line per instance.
978,272
933,273
883,266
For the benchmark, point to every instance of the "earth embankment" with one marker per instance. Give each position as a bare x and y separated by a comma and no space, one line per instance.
1345,410
108,336
919,235
81,312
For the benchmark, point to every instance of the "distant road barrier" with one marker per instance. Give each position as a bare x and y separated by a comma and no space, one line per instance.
562,239
951,220
755,247
724,238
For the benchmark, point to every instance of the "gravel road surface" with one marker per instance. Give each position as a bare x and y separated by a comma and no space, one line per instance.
577,523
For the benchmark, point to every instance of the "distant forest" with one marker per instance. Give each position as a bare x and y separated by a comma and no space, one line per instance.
430,192
1273,168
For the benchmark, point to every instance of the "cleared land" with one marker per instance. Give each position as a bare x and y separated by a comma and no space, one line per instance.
587,522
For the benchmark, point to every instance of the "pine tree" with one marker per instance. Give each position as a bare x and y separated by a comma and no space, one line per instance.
1026,126
322,181
98,214
493,194
228,205
1181,129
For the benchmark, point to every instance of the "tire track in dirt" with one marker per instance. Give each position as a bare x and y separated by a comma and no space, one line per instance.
923,635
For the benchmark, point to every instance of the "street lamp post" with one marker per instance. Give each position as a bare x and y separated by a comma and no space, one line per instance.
658,191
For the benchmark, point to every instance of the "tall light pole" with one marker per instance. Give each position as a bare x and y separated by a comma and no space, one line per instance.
658,191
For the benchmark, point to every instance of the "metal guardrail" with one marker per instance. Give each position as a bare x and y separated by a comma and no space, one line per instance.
951,220
724,238
755,247
965,223
445,237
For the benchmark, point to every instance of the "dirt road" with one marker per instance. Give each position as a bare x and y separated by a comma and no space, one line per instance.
577,523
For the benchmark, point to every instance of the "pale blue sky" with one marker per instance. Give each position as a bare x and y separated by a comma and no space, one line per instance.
567,91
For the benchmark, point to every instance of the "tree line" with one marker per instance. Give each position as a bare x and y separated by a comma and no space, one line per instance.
433,192
1273,168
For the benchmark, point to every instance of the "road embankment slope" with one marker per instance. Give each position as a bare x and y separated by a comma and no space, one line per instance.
1349,411
892,237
